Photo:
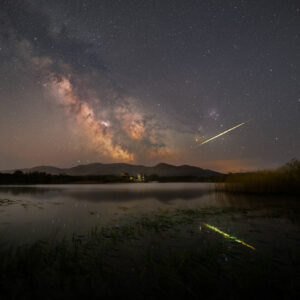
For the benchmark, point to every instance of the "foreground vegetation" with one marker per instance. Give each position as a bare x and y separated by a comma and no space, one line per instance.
285,180
162,254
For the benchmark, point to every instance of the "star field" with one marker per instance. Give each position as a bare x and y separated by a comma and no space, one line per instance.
147,81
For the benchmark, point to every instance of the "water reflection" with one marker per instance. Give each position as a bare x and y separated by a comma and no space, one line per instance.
30,212
228,236
116,192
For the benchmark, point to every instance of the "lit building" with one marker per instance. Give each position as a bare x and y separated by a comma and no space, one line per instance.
140,177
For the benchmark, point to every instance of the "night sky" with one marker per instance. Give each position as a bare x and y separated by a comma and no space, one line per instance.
145,82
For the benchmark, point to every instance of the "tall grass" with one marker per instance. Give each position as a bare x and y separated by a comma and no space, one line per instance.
284,180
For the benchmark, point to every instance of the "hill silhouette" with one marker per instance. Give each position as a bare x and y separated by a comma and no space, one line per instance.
161,169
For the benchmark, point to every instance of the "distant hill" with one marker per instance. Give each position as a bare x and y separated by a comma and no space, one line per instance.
162,170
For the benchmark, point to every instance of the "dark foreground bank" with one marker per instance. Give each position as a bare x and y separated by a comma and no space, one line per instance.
186,253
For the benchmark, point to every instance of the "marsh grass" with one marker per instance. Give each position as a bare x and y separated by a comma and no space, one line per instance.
285,180
160,254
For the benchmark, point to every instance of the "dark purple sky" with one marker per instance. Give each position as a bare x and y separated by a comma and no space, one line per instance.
148,81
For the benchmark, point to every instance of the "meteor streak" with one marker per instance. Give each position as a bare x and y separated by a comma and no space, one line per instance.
222,133
228,236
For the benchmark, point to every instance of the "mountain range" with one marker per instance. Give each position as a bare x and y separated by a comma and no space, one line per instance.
162,170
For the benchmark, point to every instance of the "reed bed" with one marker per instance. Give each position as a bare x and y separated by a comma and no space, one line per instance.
285,180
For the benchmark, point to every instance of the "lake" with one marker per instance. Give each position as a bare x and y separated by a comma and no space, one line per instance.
142,239
32,212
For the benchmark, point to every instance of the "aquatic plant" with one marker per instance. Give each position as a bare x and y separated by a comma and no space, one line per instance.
154,255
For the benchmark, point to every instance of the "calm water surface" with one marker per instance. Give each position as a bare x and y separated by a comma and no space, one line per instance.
31,212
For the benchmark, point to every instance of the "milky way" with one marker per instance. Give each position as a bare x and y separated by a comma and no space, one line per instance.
147,81
98,132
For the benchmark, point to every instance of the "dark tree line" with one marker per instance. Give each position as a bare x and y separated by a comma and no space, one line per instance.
18,177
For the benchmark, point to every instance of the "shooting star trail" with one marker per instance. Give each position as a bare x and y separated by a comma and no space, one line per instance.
228,236
222,133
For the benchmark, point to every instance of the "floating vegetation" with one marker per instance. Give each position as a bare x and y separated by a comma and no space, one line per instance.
4,202
57,203
124,208
145,256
